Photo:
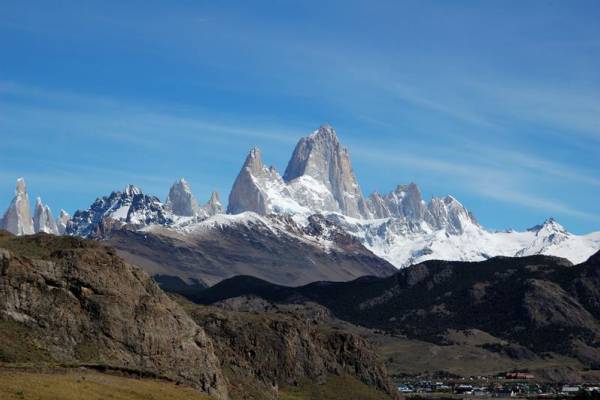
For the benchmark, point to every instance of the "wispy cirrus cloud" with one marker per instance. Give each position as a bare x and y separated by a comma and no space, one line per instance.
450,109
573,110
491,177
126,120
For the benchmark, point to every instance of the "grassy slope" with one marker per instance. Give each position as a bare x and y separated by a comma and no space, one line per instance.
413,357
336,387
88,385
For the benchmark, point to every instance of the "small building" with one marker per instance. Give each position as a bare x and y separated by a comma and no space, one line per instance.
505,392
519,375
570,390
463,389
405,389
480,392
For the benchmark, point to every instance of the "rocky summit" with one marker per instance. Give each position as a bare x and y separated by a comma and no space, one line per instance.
131,207
181,201
43,220
17,218
322,157
318,178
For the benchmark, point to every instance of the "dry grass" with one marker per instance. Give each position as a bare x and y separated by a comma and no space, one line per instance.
413,357
336,388
76,385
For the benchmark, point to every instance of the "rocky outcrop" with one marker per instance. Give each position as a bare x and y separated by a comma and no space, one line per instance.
181,201
405,201
321,157
62,221
43,221
85,305
74,302
449,214
213,206
17,218
257,188
281,347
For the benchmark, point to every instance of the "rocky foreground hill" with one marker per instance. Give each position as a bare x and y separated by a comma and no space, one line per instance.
542,312
68,302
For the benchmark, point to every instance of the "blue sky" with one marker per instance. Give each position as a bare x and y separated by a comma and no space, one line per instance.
496,103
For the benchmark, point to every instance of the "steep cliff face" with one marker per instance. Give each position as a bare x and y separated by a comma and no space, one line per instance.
213,206
276,346
83,304
321,156
17,218
318,178
62,221
256,188
43,221
181,201
75,302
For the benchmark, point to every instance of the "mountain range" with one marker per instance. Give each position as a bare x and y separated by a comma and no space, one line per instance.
540,311
315,214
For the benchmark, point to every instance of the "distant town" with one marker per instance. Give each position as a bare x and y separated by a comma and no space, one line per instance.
512,384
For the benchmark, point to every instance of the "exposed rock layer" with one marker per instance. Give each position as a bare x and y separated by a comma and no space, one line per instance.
281,347
88,306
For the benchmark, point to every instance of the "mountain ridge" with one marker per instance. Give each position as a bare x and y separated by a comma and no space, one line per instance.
539,304
399,227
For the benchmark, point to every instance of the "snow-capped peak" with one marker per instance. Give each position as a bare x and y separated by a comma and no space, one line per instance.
131,207
254,161
17,218
321,156
62,221
549,226
180,199
132,190
21,187
325,132
213,206
43,220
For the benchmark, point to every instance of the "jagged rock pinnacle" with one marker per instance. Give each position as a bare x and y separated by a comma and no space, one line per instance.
180,200
17,218
321,157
